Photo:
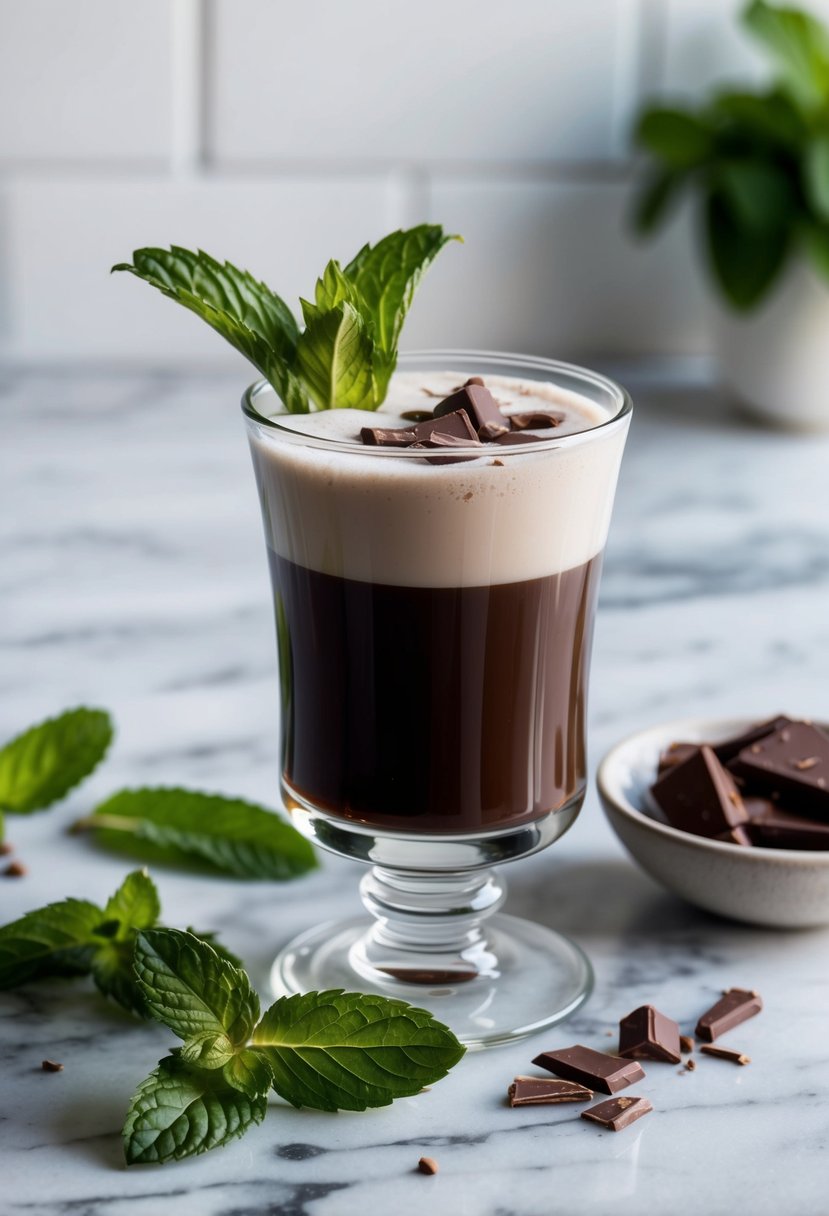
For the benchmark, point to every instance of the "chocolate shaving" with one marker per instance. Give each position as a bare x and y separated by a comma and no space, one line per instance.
724,1053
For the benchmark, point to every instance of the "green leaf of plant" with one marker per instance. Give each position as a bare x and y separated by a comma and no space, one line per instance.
181,1111
759,192
251,317
208,1050
387,276
770,117
745,261
193,991
347,1051
816,244
249,1071
233,836
55,940
112,971
335,360
135,905
655,199
43,764
677,137
221,950
816,170
799,44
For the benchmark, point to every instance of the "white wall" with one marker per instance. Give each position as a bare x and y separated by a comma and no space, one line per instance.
278,134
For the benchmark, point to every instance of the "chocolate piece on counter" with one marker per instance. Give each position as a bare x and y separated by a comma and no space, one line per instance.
700,796
456,423
735,1006
51,1066
729,748
792,766
427,1165
534,420
388,436
618,1113
594,1069
774,828
478,402
686,1044
545,1091
5,848
689,1066
514,438
647,1034
676,753
16,869
725,1053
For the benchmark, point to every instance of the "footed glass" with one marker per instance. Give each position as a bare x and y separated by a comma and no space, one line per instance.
434,620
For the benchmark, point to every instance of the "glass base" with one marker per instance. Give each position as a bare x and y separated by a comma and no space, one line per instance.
519,979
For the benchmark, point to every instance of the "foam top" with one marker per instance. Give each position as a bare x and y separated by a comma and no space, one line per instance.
389,516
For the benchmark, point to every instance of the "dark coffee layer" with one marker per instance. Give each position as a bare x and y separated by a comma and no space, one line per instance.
445,709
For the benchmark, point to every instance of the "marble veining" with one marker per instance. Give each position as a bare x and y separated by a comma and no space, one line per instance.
133,576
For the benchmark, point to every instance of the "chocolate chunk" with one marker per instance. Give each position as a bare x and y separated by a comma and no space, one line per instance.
686,1044
729,748
545,1091
438,440
735,1006
474,380
477,402
456,423
792,766
700,796
16,869
491,430
676,753
774,828
689,1066
647,1034
388,437
5,848
535,420
594,1069
618,1113
514,438
427,1165
739,834
51,1066
725,1053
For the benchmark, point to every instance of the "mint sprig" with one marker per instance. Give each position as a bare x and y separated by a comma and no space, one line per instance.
326,1050
226,835
348,351
41,765
77,937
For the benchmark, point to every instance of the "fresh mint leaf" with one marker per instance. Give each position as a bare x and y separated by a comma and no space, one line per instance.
45,762
347,1051
387,276
251,317
181,1111
55,940
250,1072
230,835
194,992
135,905
111,968
335,359
800,45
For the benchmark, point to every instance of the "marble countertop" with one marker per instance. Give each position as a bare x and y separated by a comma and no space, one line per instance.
133,577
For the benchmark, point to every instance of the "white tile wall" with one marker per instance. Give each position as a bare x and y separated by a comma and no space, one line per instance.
277,134
85,80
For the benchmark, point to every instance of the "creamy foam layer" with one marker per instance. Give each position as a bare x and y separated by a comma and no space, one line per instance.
379,515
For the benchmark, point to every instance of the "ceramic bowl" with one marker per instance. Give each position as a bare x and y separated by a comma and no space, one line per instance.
783,888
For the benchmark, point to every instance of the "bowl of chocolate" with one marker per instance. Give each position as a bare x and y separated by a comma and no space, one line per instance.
730,814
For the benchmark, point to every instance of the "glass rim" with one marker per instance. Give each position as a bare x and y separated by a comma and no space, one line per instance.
538,363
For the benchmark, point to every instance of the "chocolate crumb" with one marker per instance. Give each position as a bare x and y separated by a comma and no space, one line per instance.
499,464
16,870
690,1065
5,848
686,1043
51,1066
725,1053
427,1165
809,762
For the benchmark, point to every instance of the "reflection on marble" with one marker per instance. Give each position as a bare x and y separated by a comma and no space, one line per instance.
133,576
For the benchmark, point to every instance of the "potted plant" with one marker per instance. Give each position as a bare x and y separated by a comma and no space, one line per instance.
757,161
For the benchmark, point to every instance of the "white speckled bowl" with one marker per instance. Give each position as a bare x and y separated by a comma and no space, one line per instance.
784,888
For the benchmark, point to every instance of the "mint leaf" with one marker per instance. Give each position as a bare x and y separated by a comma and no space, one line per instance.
232,836
347,1051
194,992
55,940
387,276
41,765
135,905
250,1072
335,359
181,1111
251,317
800,44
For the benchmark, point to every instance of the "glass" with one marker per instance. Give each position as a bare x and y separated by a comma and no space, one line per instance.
433,632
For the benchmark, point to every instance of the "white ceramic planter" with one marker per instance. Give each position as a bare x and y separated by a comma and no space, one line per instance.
775,360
